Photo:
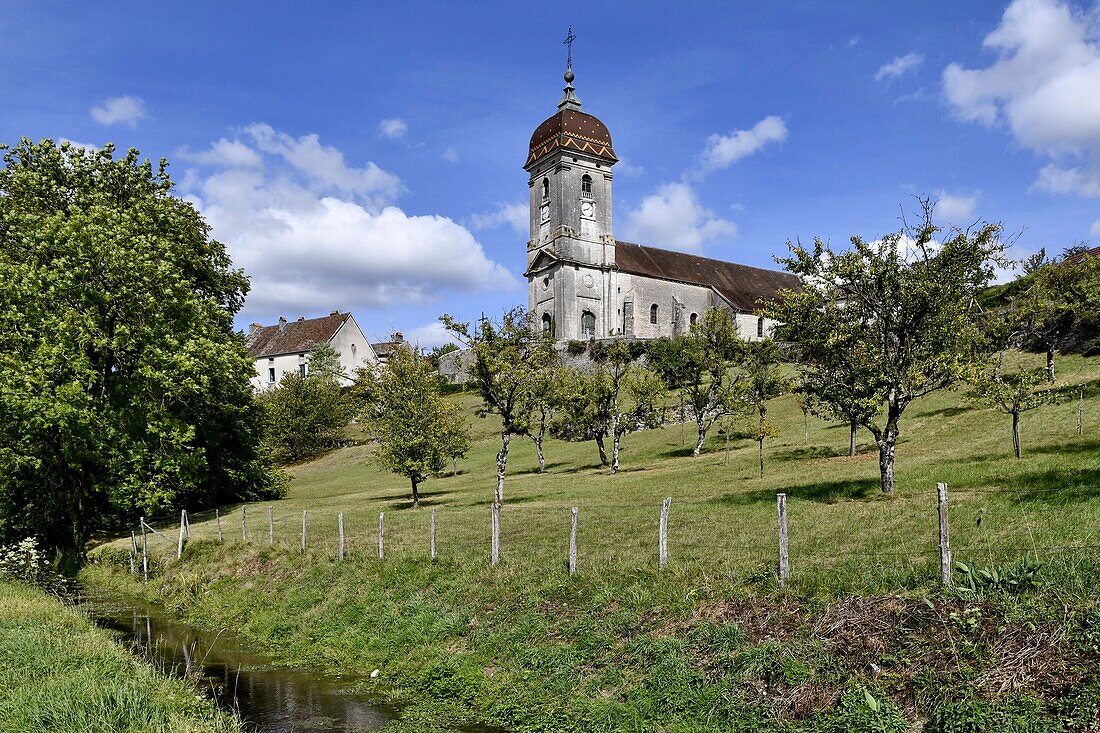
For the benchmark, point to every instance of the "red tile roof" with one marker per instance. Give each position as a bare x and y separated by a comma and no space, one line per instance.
292,337
741,285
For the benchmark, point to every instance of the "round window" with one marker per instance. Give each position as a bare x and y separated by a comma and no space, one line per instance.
588,281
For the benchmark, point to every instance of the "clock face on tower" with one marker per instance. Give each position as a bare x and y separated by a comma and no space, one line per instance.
587,209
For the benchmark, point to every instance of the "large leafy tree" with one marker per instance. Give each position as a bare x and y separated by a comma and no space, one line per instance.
123,386
306,416
420,430
887,322
508,369
704,366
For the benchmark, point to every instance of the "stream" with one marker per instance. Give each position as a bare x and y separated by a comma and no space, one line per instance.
269,698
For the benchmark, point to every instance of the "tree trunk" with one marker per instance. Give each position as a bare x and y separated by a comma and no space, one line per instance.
852,439
603,451
886,445
1016,433
806,424
502,464
537,440
761,442
416,494
454,465
615,438
702,436
727,443
1050,364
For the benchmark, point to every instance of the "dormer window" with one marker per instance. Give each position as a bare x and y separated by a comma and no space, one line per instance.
586,186
545,189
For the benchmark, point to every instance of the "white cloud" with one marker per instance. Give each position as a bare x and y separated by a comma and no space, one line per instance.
126,110
674,218
899,66
853,41
1095,230
314,233
724,150
393,128
429,336
514,215
450,155
1043,87
224,154
956,208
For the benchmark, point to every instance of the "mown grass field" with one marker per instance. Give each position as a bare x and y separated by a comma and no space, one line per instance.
61,674
711,643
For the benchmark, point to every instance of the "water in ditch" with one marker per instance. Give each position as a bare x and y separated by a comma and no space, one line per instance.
269,698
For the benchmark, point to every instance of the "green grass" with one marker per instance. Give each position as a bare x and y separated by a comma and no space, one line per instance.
61,674
711,643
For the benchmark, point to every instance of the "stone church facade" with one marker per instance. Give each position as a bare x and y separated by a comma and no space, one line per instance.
584,283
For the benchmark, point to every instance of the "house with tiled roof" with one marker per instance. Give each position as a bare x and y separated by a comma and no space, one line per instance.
584,283
283,348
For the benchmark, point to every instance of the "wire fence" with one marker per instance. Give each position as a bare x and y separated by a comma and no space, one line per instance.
913,540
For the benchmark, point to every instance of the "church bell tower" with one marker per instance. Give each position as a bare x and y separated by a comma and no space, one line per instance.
571,252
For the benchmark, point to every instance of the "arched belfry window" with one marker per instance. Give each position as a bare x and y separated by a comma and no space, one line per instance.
547,324
653,313
588,323
545,188
586,186
760,327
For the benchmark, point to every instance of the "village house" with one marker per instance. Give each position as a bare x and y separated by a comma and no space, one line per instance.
284,347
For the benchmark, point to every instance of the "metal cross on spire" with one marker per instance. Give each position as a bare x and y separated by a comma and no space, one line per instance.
569,43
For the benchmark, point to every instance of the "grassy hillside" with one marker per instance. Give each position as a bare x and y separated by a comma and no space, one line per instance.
61,674
862,636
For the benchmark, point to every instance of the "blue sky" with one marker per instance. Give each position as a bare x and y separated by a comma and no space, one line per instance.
369,156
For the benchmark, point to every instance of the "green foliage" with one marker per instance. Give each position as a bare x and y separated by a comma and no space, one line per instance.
1059,303
324,364
22,562
886,322
305,416
763,382
1016,577
1013,393
701,365
1015,715
62,674
123,387
860,711
420,430
438,352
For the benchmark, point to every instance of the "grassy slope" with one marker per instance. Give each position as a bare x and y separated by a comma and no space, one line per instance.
711,642
63,675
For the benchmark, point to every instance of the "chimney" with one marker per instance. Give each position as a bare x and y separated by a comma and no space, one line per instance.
334,312
301,318
282,323
253,328
398,337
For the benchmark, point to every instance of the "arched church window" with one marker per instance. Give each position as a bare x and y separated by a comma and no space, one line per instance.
653,313
693,318
547,324
760,327
588,323
545,188
586,186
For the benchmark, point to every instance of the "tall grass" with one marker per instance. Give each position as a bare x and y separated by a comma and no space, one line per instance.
61,674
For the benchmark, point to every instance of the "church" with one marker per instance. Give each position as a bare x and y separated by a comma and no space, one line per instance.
583,283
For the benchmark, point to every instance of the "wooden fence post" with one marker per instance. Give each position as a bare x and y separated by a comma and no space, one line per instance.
133,554
303,530
187,524
340,523
1080,411
270,525
381,535
573,540
218,521
144,551
662,534
433,535
495,548
784,554
183,525
945,535
244,523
